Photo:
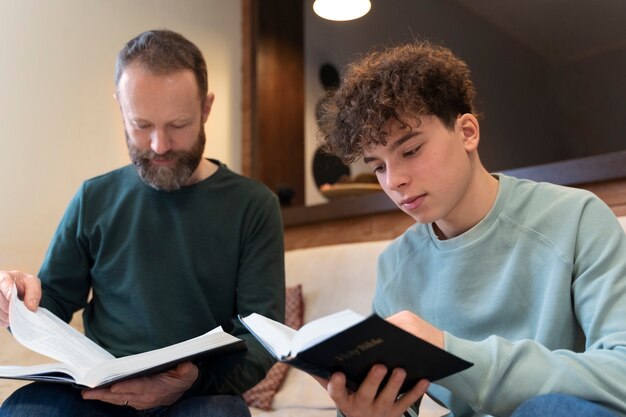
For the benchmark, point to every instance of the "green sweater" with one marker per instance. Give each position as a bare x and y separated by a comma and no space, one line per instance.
534,295
168,266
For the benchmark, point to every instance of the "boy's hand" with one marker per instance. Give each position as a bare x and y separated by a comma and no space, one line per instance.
417,326
367,401
28,289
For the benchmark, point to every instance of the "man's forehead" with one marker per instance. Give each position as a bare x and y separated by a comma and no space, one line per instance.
136,74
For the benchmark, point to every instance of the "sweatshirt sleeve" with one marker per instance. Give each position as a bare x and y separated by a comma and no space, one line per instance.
506,373
65,270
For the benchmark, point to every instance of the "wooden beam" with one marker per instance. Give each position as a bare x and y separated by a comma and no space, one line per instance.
273,105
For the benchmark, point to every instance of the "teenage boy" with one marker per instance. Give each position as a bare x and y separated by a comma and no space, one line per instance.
526,280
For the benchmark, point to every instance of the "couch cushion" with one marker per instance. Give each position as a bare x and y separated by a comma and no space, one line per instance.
335,277
300,390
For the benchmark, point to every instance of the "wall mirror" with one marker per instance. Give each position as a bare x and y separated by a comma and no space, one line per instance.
549,74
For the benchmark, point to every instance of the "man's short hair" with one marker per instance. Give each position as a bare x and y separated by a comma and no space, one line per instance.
162,52
410,80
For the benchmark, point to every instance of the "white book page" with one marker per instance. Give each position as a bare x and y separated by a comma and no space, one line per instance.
285,342
275,336
321,329
44,333
132,364
47,371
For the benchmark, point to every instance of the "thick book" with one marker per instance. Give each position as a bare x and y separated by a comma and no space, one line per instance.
351,343
85,364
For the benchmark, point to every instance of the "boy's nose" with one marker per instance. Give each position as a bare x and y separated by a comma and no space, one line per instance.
396,179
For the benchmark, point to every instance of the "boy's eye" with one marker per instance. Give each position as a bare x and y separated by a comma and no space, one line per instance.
411,152
378,169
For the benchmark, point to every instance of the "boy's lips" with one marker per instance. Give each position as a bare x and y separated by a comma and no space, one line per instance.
411,203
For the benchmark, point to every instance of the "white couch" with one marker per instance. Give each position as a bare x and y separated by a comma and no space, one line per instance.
333,278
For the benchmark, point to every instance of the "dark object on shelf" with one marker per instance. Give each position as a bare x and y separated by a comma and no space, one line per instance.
285,195
328,169
329,76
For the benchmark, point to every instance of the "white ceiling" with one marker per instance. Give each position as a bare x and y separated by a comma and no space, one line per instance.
560,30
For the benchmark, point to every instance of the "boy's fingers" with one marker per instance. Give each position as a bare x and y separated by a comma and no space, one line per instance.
369,387
389,393
412,396
337,387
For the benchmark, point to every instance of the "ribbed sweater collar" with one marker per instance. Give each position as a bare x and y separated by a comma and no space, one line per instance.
481,228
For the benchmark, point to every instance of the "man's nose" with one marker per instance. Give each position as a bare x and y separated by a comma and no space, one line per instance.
159,142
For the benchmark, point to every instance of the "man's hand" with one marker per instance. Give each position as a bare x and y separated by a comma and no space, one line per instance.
28,289
367,401
148,392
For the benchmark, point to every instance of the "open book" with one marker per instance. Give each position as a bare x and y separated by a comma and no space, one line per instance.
85,364
350,343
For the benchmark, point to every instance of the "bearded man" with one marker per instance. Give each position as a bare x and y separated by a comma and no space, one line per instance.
160,251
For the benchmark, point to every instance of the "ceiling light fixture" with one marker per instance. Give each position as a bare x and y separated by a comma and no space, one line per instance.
341,10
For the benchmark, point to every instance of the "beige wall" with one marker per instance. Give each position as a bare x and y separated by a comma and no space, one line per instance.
59,123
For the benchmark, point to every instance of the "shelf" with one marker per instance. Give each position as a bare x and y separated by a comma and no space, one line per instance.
572,172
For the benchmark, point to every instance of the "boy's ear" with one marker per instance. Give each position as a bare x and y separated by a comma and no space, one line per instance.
470,129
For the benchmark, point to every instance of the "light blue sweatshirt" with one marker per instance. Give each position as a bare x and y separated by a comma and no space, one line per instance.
534,295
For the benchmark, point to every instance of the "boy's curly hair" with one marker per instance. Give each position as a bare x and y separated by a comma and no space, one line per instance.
409,80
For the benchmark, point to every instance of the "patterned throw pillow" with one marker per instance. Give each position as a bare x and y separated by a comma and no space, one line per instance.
262,394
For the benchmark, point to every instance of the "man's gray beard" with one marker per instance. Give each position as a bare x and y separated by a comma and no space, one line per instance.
167,178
